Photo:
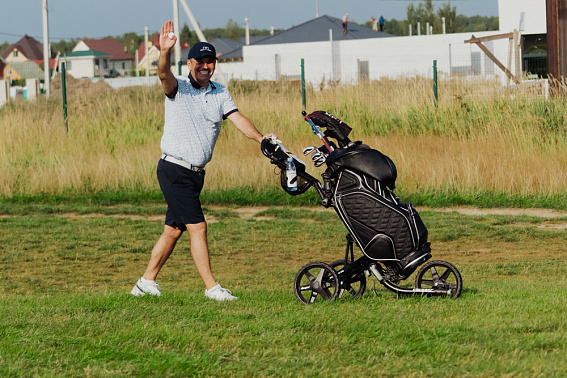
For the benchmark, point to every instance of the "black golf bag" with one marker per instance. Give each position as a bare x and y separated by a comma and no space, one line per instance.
358,184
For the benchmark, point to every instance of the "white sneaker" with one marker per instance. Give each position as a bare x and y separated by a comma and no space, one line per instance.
143,287
219,294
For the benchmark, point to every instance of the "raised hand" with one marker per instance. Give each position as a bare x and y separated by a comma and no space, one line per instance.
165,42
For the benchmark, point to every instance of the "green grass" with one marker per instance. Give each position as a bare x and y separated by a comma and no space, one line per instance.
66,310
145,202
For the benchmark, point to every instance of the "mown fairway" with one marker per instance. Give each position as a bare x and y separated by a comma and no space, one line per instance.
66,310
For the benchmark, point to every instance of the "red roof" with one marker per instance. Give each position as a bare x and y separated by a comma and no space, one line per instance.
51,62
109,46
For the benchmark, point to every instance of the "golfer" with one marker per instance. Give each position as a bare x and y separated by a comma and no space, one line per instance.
195,107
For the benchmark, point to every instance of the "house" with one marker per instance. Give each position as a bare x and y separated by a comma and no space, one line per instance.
2,66
26,49
87,64
23,71
24,59
153,54
109,60
152,57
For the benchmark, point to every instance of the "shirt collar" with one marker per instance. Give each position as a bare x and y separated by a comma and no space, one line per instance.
197,85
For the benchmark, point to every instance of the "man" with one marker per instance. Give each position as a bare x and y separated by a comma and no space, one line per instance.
382,22
345,23
194,110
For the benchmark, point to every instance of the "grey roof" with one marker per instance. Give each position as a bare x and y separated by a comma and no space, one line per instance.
27,70
316,30
225,45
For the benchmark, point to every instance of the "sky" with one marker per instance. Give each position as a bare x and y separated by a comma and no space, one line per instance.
97,19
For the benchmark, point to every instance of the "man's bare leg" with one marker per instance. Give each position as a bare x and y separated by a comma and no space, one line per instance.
200,252
161,251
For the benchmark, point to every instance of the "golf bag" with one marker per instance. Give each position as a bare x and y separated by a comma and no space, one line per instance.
358,184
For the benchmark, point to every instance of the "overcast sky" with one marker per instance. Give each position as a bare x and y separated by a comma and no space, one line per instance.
101,18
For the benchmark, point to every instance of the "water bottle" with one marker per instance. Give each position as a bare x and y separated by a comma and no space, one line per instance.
291,174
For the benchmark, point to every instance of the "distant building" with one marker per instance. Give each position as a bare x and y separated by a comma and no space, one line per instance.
152,57
362,54
153,54
22,60
87,64
109,58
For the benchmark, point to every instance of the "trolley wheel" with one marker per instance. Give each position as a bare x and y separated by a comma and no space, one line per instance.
440,275
355,284
315,280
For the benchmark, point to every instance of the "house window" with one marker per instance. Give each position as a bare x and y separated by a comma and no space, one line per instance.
8,71
123,65
96,63
68,65
104,63
15,53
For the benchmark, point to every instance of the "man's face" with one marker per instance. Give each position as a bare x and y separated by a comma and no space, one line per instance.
202,69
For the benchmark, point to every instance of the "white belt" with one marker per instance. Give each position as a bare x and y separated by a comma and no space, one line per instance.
182,163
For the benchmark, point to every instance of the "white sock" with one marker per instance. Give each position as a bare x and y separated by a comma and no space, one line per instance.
145,280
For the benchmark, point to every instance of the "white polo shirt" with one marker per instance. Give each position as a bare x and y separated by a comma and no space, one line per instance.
193,119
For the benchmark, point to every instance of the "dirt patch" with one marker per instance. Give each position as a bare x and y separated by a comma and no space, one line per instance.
252,213
542,213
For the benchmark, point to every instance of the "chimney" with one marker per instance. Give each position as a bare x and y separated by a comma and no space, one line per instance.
247,31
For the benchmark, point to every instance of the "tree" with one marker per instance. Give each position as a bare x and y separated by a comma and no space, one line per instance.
131,41
233,31
415,15
186,35
4,46
450,14
396,27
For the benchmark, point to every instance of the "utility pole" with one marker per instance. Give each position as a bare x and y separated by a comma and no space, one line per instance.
46,54
147,57
176,30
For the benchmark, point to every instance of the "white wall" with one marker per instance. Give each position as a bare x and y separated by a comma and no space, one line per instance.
4,94
80,67
386,57
80,46
535,15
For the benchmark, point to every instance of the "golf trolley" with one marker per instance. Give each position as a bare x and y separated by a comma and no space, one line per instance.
358,184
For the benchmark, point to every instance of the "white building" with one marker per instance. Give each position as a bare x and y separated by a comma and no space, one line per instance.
364,54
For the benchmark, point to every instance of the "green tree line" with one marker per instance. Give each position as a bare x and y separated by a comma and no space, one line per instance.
425,12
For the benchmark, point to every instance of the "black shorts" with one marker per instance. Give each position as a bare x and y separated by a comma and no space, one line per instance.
181,188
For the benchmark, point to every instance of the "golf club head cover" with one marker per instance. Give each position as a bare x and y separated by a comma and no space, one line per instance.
335,128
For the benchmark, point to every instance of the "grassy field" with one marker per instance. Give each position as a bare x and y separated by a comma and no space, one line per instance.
482,142
66,310
80,212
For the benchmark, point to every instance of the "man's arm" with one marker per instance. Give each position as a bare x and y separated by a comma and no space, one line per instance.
168,81
246,127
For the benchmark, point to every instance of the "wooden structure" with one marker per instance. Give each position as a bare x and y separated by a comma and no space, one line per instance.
514,53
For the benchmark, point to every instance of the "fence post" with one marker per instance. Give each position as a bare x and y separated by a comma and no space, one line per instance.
435,81
303,83
64,95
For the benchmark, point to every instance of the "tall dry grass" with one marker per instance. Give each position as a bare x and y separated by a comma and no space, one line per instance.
480,137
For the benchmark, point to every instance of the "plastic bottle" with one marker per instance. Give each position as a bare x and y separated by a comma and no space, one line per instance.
291,175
